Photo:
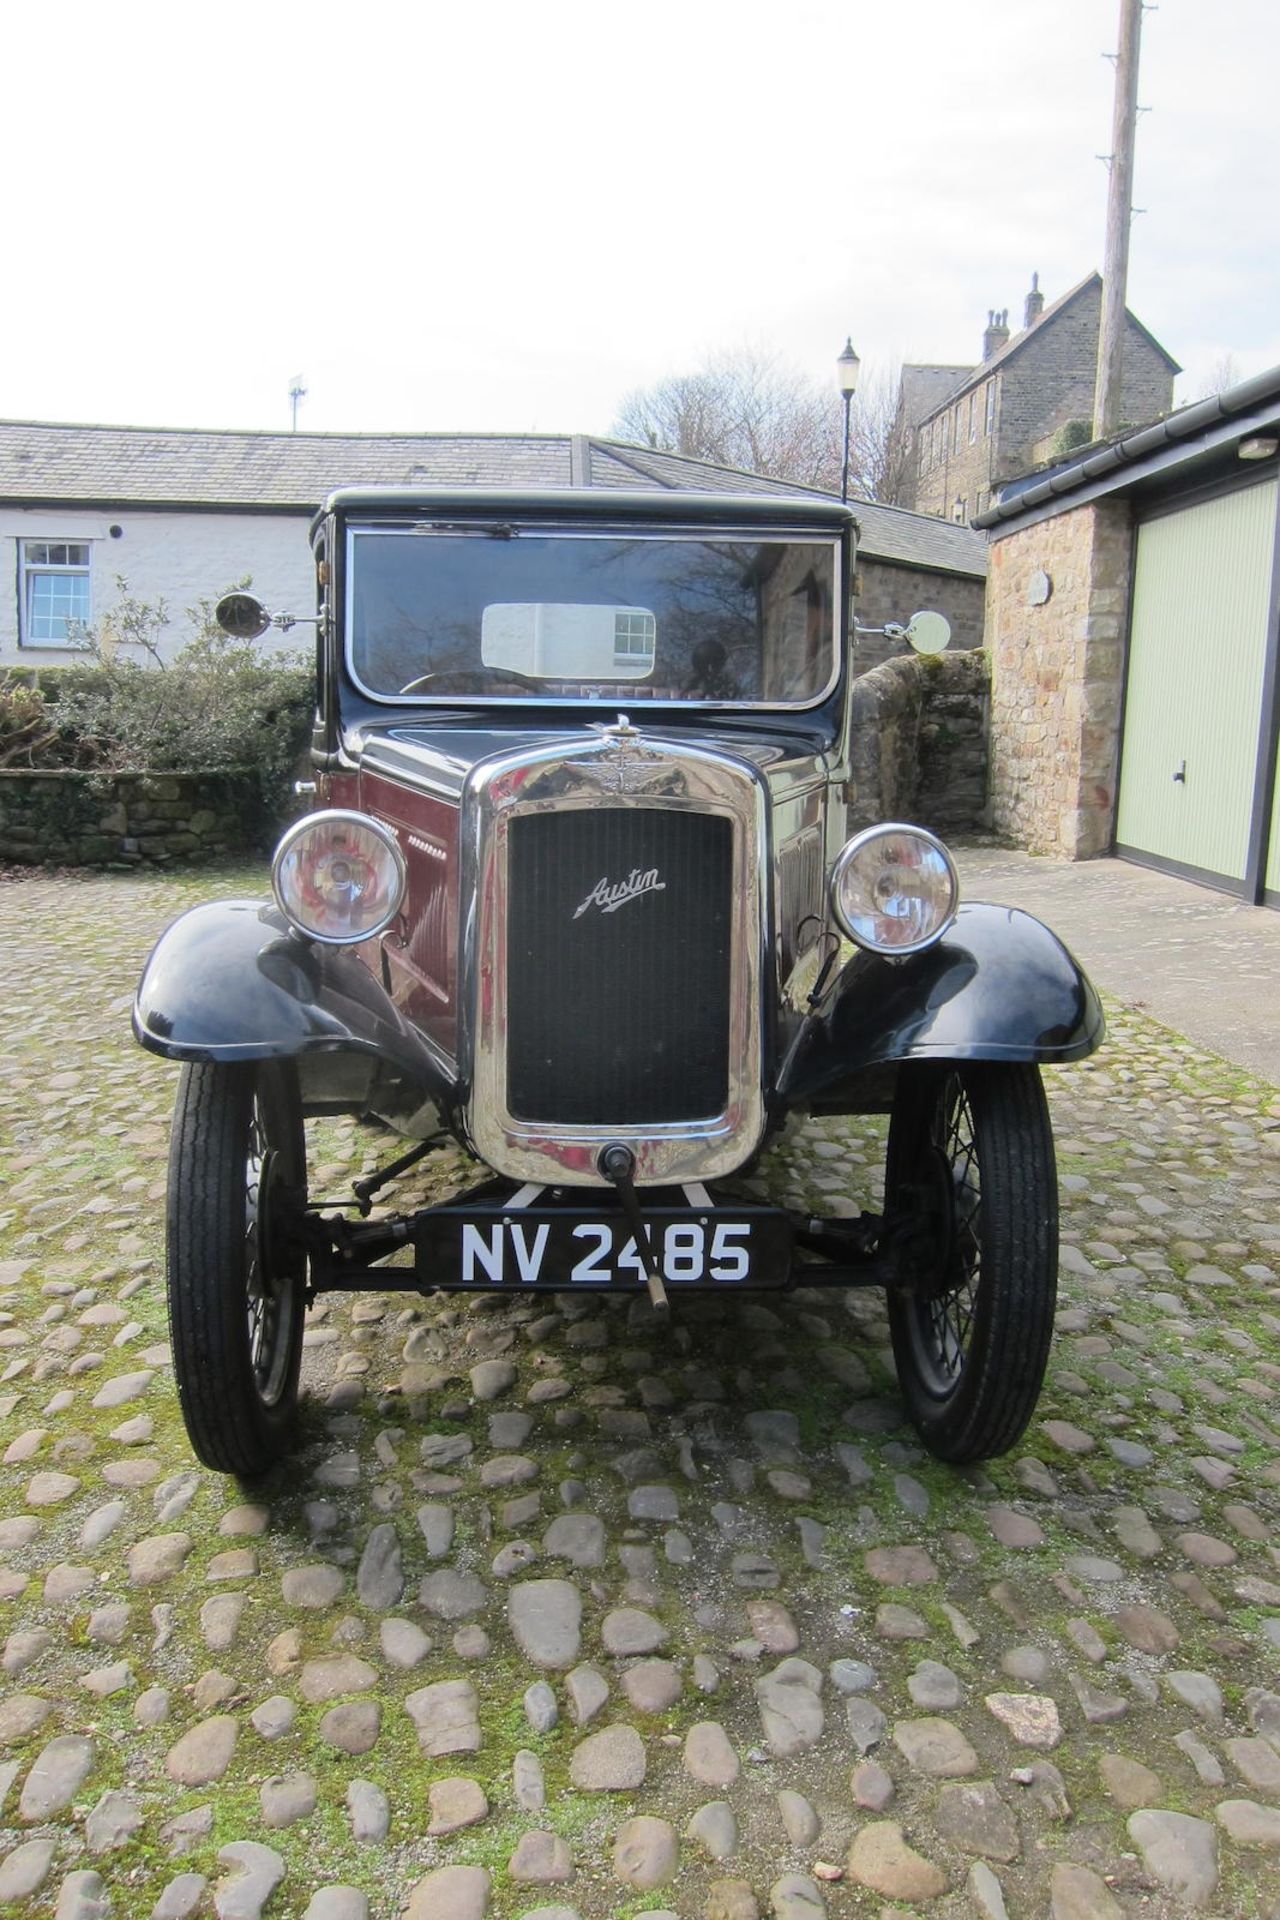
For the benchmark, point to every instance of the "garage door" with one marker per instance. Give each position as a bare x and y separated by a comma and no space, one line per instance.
1197,652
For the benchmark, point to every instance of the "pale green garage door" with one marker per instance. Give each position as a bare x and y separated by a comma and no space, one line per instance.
1197,649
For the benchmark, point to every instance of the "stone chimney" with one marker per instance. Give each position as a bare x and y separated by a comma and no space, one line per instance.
1035,303
997,333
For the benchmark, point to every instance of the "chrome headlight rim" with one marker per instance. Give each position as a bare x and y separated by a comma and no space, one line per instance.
351,817
849,853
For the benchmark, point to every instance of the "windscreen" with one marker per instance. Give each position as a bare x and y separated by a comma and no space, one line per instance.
505,613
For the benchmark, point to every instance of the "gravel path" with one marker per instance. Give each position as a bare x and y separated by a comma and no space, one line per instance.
559,1612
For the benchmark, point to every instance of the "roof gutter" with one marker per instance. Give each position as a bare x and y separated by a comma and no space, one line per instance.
1128,450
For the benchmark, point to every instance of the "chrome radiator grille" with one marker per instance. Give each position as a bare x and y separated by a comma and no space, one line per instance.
619,933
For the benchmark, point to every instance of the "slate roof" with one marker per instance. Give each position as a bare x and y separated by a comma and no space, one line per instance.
925,387
918,540
45,463
970,376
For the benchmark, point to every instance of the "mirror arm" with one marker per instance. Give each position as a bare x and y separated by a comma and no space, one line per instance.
925,632
287,621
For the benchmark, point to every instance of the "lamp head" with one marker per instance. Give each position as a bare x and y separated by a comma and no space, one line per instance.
848,367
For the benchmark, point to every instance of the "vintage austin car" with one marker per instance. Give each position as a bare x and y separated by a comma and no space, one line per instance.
579,894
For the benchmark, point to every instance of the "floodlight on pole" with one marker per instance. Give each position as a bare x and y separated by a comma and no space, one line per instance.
847,369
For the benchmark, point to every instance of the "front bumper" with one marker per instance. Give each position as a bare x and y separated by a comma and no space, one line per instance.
506,1238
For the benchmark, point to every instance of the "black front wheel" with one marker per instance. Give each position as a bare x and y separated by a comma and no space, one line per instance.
971,1165
236,1260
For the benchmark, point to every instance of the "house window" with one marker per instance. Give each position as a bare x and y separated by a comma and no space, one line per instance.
960,512
634,636
973,419
54,594
955,431
991,406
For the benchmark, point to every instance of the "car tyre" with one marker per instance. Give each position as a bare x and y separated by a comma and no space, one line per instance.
971,1162
236,1260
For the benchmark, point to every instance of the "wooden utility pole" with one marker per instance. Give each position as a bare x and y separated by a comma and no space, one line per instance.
1115,272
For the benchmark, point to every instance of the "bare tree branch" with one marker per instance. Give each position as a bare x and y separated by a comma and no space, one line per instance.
1224,373
747,409
743,409
880,453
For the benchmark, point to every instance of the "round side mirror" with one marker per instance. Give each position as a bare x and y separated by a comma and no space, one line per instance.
928,632
242,616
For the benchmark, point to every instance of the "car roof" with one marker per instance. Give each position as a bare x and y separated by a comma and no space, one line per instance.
604,503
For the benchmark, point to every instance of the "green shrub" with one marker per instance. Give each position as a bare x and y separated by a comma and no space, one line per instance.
1070,436
28,732
216,704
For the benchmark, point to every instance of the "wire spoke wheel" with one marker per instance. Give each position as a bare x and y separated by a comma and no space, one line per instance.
268,1279
236,1264
948,1292
971,1162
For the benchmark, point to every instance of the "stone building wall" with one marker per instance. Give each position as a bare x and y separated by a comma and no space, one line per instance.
962,472
1046,383
893,593
1057,679
919,743
68,818
1051,381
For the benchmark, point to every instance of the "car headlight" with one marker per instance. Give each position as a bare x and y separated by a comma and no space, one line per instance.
894,889
339,876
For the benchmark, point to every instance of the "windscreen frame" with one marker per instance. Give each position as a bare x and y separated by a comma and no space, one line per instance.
487,529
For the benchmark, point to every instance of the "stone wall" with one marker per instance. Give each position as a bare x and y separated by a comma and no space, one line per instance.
1057,678
127,819
893,593
919,743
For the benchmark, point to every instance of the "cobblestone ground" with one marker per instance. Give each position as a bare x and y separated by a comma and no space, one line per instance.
556,1611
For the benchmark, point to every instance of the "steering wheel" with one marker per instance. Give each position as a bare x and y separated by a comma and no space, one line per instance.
461,681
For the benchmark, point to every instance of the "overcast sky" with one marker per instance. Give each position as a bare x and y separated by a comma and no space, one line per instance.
509,215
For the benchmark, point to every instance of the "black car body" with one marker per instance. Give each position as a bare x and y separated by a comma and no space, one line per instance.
581,767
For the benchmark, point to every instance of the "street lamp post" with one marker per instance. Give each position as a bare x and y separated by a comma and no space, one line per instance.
847,366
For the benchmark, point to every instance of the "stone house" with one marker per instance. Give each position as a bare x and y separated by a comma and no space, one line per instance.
1029,399
180,516
1133,623
909,561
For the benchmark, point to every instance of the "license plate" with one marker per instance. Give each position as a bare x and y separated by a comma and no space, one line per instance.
553,1247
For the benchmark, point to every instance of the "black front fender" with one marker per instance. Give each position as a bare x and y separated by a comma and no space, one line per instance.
998,986
233,981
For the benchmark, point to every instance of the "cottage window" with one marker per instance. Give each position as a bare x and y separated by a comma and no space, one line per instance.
973,419
634,635
54,592
991,407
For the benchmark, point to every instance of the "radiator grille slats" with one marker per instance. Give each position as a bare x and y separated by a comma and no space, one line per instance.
618,966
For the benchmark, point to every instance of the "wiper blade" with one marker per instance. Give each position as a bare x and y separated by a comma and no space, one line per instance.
485,529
